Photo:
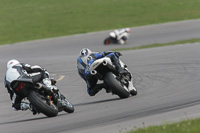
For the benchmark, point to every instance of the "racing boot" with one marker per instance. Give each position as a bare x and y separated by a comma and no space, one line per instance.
96,89
118,66
33,110
24,106
121,41
106,87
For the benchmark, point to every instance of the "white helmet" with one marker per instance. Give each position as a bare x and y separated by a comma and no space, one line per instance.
85,52
127,30
12,63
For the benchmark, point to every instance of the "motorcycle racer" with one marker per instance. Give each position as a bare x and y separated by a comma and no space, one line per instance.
120,35
15,70
83,63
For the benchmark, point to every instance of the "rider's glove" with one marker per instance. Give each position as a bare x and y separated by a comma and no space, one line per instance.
106,53
44,70
53,81
118,54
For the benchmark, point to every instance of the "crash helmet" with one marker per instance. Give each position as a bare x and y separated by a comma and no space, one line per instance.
85,52
127,30
11,63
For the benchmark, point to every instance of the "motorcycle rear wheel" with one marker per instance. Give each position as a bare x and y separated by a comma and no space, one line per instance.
41,105
115,85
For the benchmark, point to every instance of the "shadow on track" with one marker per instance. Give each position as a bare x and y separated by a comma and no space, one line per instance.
26,120
32,119
96,102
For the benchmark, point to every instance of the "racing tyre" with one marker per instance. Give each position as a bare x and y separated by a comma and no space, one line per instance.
69,107
133,92
41,104
115,85
107,41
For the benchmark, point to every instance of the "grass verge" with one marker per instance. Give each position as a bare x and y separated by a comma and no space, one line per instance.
23,20
186,126
160,44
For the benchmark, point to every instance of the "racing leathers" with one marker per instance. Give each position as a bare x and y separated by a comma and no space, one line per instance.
121,35
91,81
21,70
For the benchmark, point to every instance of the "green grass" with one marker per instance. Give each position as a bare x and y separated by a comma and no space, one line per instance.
22,20
186,126
160,44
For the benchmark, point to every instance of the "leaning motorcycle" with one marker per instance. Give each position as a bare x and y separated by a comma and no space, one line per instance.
112,39
41,98
119,84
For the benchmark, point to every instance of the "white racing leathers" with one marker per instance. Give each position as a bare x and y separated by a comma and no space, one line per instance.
36,73
120,35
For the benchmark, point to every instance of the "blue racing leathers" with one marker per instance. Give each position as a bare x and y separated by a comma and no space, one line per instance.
83,65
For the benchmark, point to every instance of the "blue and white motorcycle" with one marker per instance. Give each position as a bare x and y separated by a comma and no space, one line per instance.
119,84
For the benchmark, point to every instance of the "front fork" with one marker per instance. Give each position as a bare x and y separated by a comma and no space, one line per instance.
61,102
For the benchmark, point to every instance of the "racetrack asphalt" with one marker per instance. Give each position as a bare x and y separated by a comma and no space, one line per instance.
167,79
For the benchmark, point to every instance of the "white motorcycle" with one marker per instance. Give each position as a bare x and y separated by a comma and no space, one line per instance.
117,37
118,84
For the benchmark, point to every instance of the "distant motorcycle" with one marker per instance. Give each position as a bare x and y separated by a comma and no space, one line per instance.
41,98
117,37
118,84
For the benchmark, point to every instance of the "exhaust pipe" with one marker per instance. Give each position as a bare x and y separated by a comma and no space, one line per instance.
38,86
105,62
41,86
93,72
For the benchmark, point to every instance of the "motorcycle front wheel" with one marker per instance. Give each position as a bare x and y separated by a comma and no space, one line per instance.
68,107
